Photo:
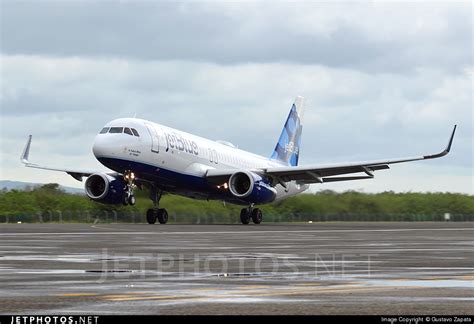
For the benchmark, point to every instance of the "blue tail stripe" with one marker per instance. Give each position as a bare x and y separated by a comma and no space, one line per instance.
287,148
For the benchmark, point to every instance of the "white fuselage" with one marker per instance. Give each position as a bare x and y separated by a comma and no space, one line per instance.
171,153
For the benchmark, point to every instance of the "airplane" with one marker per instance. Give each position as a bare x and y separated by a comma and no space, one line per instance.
142,153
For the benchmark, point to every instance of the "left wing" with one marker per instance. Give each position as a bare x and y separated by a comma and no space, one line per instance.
75,173
328,173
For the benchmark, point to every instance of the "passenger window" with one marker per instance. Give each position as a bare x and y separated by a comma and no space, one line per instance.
134,131
116,130
104,130
128,131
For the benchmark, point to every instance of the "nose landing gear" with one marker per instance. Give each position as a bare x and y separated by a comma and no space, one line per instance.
128,196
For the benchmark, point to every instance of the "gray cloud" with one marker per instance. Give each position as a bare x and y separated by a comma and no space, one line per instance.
380,80
375,37
70,92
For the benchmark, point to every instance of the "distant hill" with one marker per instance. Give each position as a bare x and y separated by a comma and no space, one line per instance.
18,185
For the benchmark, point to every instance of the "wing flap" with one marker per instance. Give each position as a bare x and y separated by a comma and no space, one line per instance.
302,173
335,179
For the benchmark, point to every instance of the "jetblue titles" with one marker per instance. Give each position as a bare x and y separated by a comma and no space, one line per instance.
178,142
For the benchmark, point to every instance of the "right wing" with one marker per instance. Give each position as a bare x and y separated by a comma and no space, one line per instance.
75,173
327,173
324,173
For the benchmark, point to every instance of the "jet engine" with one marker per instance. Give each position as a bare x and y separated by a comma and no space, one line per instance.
251,188
105,188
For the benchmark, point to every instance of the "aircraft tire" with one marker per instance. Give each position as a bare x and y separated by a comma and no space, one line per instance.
162,216
245,216
150,216
125,199
257,216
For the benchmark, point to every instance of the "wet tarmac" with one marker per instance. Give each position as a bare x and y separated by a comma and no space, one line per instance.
319,268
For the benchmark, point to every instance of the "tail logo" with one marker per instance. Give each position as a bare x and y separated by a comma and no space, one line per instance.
288,147
291,148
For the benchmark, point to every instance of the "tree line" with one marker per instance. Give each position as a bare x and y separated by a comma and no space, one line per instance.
49,203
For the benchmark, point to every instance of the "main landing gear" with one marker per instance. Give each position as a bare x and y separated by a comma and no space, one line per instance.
128,196
251,213
152,214
156,213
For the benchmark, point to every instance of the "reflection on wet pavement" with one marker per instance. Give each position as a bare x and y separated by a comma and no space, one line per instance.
290,269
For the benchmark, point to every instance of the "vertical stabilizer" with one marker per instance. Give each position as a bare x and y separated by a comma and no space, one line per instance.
287,149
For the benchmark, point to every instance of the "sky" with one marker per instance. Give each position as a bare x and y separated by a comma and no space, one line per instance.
381,80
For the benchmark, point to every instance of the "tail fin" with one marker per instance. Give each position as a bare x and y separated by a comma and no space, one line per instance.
287,149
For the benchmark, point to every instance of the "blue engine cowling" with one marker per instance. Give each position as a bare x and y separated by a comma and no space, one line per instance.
105,189
251,188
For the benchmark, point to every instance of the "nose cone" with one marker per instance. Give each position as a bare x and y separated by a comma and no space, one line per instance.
100,146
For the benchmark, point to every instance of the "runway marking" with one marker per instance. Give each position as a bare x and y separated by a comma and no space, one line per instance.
447,277
209,289
151,298
239,232
249,287
123,295
252,291
104,227
79,295
246,294
344,289
308,284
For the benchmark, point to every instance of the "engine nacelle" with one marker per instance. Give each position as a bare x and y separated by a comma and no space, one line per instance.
250,187
104,188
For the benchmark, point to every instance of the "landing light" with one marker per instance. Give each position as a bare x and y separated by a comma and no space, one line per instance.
225,186
128,176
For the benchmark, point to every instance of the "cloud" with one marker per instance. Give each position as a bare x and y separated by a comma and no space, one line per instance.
368,36
380,80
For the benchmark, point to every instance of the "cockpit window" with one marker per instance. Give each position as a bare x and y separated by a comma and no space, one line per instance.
135,132
116,130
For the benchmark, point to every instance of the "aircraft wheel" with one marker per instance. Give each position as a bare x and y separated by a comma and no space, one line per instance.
150,216
245,216
125,199
132,200
257,216
162,216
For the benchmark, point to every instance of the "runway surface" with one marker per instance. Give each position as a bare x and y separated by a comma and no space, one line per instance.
319,268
